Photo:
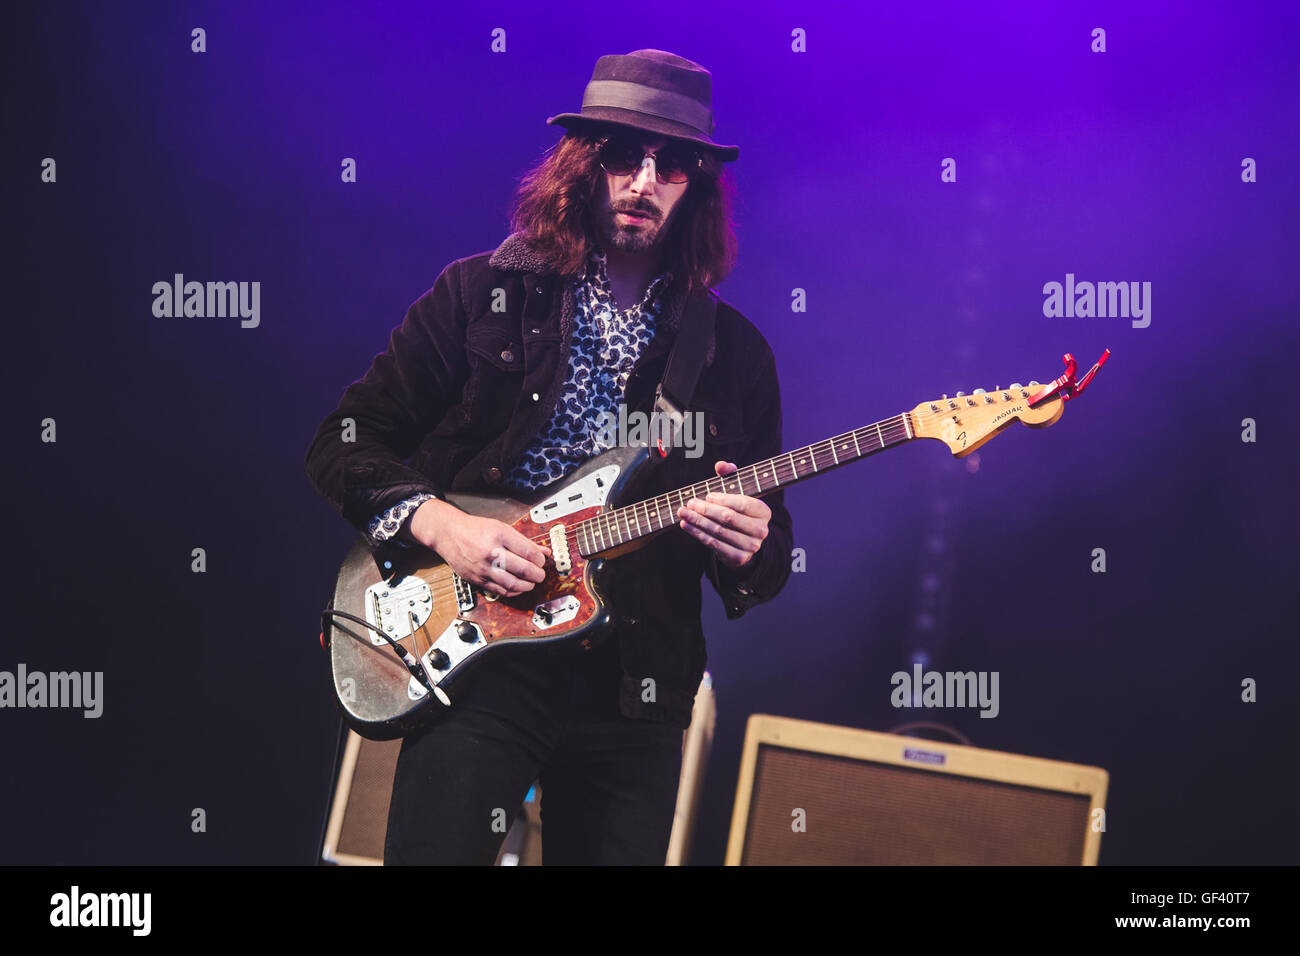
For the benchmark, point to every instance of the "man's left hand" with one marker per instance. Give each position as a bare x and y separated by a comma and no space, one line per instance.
734,526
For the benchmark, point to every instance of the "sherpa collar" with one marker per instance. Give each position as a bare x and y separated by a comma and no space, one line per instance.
516,255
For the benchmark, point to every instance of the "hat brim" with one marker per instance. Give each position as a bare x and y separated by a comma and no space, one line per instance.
645,122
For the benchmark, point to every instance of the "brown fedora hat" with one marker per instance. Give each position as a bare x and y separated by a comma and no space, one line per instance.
654,91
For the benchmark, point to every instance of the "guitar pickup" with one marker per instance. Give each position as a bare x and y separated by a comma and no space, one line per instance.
560,549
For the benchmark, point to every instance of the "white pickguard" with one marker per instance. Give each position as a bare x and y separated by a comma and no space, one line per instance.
587,492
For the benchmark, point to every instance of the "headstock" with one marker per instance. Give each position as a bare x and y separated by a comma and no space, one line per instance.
965,422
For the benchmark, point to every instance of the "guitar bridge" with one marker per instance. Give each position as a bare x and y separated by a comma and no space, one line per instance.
464,593
391,607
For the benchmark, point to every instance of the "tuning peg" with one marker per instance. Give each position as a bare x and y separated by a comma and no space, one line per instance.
1032,383
960,394
1015,385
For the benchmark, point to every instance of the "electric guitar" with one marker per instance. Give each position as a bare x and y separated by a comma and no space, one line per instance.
400,643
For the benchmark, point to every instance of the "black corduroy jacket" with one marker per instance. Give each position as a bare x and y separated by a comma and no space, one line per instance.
472,375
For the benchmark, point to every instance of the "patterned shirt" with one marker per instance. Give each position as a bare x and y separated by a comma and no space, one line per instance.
605,347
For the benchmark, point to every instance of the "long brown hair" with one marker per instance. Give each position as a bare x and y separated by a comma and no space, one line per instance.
553,204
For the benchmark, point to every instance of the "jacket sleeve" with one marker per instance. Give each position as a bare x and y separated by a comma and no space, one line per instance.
357,459
764,575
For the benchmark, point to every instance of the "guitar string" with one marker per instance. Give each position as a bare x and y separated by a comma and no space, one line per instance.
819,449
607,521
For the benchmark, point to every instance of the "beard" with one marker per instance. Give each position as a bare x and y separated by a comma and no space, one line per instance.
641,237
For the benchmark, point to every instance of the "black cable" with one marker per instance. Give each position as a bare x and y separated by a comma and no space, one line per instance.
410,662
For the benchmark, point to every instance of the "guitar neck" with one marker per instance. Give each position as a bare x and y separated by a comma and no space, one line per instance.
622,525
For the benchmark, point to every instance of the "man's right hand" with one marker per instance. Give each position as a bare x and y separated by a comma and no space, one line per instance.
483,551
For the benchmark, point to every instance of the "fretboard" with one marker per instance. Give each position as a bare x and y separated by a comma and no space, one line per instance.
621,525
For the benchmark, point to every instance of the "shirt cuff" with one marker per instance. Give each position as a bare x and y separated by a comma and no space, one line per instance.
386,525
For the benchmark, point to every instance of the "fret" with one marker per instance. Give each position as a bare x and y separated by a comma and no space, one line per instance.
880,436
833,455
907,426
812,456
623,512
856,446
586,541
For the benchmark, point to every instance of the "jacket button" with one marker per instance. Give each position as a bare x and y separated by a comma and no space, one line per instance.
539,290
536,397
713,429
507,356
494,473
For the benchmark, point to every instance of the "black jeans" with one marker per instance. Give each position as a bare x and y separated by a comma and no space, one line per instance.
609,782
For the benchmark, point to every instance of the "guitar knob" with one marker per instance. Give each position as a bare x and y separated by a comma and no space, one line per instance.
439,659
465,631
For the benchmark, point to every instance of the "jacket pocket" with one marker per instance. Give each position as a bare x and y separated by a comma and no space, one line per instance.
499,349
496,359
724,430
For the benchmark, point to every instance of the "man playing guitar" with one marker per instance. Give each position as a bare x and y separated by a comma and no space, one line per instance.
496,381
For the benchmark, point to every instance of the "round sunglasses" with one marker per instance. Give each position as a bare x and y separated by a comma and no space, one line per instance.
673,162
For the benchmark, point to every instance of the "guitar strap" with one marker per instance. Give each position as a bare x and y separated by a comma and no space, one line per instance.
685,362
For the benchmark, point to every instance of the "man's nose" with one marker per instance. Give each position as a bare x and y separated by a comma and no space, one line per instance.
643,180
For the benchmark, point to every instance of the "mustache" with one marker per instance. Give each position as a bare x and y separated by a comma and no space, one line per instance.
640,211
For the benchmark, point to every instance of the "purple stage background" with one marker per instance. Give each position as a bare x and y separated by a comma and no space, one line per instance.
178,433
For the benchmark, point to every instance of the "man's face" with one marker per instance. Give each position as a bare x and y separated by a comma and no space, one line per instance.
638,192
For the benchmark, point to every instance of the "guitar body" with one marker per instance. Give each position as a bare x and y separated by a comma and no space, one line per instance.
457,626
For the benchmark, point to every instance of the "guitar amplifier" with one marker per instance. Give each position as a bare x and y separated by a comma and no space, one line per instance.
814,794
358,813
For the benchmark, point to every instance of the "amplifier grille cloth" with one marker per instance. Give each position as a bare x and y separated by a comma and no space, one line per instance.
865,813
365,819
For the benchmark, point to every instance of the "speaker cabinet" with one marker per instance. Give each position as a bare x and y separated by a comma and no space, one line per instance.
814,793
358,813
